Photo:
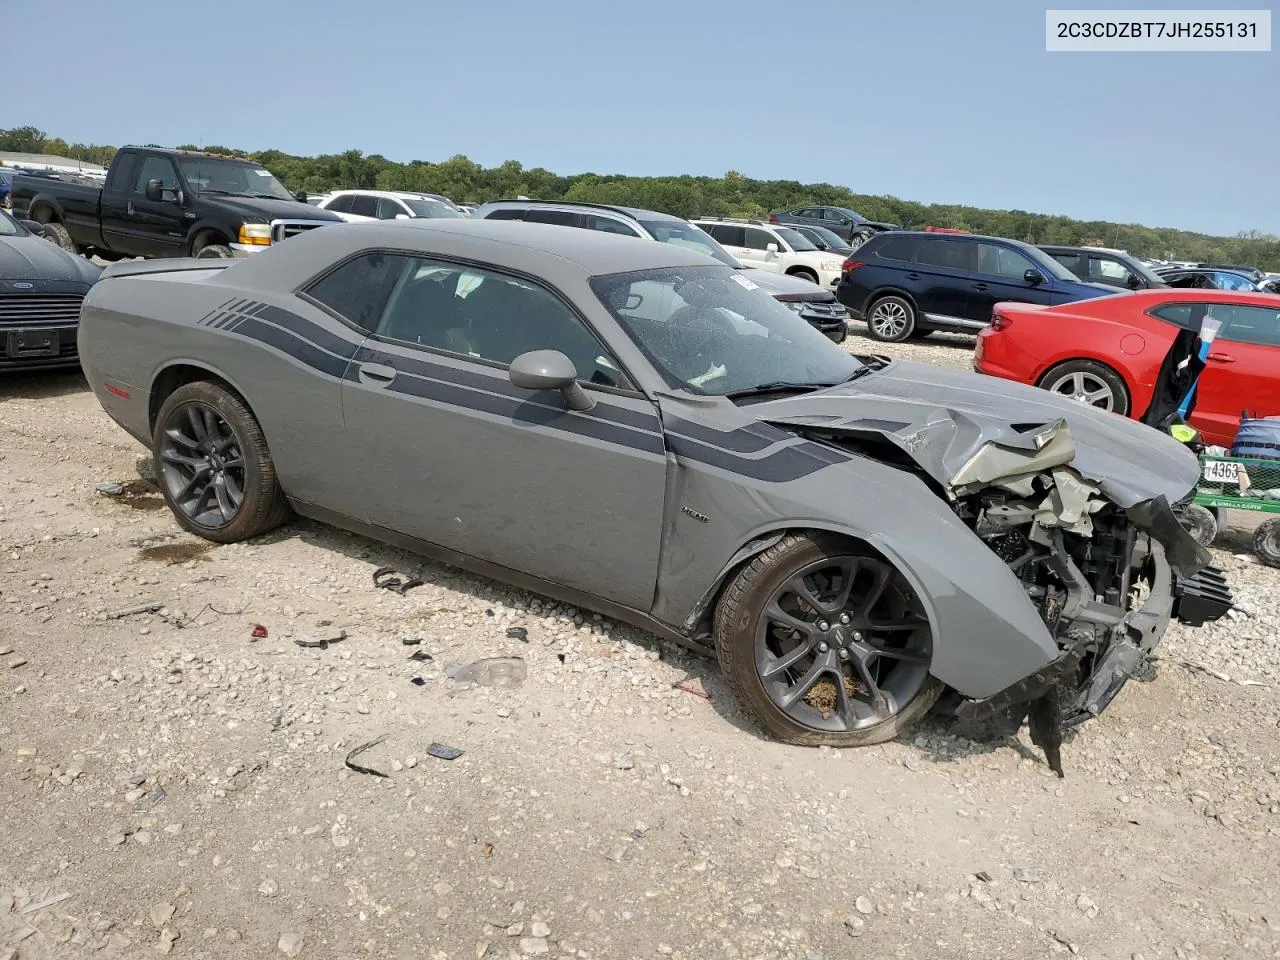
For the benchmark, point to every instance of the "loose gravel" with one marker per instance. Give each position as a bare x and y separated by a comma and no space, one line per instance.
175,785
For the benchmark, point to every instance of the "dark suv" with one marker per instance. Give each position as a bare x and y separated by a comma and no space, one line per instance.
904,284
843,222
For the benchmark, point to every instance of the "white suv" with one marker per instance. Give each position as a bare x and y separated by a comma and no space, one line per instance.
356,205
778,249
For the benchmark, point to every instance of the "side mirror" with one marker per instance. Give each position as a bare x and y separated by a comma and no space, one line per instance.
155,191
1133,282
403,216
33,227
549,370
1033,276
771,248
300,197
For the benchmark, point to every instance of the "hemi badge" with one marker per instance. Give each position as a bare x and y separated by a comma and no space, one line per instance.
117,392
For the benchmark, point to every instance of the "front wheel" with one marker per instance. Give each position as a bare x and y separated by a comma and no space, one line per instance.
57,234
891,320
215,471
825,643
214,251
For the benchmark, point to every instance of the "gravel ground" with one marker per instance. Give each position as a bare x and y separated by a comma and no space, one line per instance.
173,784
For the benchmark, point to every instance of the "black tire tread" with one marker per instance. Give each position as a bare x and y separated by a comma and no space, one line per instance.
214,251
58,234
1266,542
734,607
265,507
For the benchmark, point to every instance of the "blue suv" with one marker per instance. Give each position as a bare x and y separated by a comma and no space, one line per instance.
905,284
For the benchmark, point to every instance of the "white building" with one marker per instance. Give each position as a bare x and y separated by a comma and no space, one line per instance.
47,161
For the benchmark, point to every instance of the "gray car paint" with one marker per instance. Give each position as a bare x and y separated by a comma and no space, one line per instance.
515,479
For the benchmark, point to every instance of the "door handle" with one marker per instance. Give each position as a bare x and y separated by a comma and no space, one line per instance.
979,286
913,276
1222,358
129,208
376,372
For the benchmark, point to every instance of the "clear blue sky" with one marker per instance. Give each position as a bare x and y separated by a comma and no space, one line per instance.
939,101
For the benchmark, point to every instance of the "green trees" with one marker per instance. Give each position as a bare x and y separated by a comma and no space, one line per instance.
733,194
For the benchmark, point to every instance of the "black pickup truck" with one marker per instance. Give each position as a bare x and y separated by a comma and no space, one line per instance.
167,203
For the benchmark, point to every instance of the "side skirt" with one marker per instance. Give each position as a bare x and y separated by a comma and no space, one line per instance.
494,571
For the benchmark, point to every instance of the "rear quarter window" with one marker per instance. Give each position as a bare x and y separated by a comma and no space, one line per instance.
507,214
896,248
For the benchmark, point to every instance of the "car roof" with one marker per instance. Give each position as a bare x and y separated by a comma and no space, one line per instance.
636,213
171,152
1066,248
540,249
1176,295
953,237
397,194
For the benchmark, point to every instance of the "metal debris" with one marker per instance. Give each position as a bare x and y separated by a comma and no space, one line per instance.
442,752
420,655
259,632
134,611
518,633
322,643
356,751
389,578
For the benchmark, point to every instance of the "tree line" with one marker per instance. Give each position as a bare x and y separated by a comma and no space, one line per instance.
732,195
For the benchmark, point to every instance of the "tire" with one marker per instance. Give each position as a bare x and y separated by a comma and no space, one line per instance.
57,234
1201,523
262,507
891,319
858,239
743,633
842,336
1266,542
214,251
1082,379
804,275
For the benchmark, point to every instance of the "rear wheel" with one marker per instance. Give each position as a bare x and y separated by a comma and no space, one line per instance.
1266,542
858,239
1201,523
1088,382
891,320
57,234
824,642
215,471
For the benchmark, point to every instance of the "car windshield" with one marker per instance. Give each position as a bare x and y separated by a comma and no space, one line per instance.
1142,270
833,241
796,239
208,175
9,227
432,208
680,234
857,217
712,331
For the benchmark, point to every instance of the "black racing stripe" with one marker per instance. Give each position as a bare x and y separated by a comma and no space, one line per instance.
305,329
789,463
527,412
638,419
290,343
749,439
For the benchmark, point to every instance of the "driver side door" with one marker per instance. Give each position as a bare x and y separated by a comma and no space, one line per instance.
449,451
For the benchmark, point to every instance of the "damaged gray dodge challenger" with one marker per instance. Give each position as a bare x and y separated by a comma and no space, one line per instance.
636,429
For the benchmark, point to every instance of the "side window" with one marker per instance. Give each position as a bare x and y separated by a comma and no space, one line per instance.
953,254
1107,270
835,216
508,213
156,168
1000,261
760,239
897,248
608,225
357,290
1240,324
341,204
389,209
489,316
1232,281
1187,316
729,234
561,218
123,171
1074,262
364,205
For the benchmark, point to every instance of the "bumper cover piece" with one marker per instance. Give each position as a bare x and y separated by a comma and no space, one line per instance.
1204,597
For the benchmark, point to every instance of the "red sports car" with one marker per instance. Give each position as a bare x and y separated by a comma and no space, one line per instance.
1108,352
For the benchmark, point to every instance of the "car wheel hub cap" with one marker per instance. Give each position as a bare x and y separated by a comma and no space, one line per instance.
889,319
202,465
842,644
1085,388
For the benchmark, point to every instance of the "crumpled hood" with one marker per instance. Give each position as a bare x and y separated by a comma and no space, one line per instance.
942,418
34,258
